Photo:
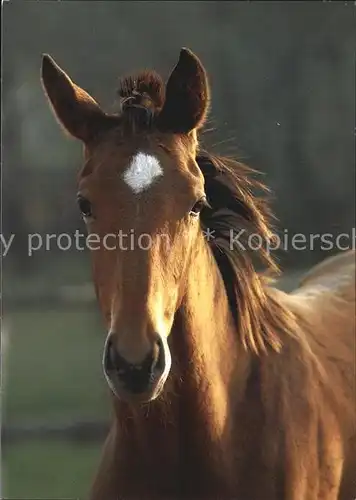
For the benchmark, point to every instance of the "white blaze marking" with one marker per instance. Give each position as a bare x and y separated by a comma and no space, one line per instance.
144,169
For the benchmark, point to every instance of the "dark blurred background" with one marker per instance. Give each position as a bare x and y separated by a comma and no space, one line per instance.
283,88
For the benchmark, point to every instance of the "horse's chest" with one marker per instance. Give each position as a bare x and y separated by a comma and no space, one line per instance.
177,473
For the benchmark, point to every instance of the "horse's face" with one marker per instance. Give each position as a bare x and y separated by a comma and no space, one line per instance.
140,193
143,201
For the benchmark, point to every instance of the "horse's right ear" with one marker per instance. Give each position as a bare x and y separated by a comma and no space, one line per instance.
187,96
77,112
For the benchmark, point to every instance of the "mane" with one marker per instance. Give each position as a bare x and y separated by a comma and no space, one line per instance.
234,207
141,98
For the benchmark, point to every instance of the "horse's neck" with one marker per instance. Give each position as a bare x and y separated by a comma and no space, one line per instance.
205,346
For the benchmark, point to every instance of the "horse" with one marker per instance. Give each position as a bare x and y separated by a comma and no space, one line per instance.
223,386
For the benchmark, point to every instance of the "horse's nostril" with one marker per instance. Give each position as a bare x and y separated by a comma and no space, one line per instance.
151,360
112,358
159,361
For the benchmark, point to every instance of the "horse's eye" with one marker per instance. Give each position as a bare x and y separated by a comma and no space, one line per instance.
198,207
85,206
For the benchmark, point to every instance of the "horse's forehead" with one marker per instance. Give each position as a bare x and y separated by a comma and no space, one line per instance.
143,170
158,164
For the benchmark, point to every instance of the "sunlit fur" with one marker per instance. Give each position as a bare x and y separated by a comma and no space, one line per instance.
259,403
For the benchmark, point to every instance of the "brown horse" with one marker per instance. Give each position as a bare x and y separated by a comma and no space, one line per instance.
223,387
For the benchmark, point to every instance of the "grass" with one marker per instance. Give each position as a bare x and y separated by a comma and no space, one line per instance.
49,470
53,375
54,367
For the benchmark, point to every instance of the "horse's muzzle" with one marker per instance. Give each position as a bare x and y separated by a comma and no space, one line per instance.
141,381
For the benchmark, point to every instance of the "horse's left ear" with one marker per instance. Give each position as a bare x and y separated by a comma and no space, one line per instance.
187,96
